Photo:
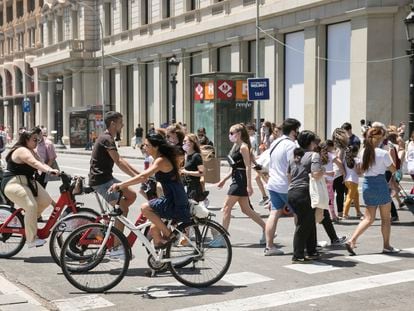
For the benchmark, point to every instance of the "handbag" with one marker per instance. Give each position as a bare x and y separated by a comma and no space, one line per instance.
264,158
50,177
318,192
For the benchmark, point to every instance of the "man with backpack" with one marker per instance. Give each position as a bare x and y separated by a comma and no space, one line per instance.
281,151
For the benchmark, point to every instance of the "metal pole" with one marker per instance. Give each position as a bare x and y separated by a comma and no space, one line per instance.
257,75
173,96
411,98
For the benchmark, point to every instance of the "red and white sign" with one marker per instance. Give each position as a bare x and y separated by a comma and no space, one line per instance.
198,91
225,89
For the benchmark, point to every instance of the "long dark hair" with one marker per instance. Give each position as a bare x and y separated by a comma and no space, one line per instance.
324,151
350,154
167,150
23,140
374,137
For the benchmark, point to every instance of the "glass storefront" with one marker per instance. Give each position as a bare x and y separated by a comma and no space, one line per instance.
219,100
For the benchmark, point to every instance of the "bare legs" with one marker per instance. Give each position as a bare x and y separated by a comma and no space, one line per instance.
271,224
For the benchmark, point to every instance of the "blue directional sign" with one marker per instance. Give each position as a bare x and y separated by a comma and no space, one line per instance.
26,105
258,88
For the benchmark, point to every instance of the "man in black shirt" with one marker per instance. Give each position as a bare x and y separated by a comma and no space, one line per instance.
104,156
353,139
139,131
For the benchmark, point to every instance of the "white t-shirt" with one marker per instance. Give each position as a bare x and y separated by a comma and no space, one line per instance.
329,167
351,174
409,157
279,163
382,161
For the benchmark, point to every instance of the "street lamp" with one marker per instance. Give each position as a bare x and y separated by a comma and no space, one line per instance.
59,103
173,64
409,28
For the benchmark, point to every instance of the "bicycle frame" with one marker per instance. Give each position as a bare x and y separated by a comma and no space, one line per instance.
65,200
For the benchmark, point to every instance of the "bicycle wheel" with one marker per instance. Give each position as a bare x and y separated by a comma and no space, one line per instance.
196,259
63,229
11,243
89,271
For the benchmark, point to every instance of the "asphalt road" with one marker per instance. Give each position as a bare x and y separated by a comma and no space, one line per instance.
369,281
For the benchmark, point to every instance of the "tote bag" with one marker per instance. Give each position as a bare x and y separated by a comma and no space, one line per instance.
318,193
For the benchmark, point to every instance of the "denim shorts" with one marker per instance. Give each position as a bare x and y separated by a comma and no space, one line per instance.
278,200
375,190
103,190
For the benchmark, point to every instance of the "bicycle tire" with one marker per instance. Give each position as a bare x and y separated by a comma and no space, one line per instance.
85,272
211,265
62,230
11,243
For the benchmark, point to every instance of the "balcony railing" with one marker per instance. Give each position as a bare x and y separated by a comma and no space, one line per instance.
70,45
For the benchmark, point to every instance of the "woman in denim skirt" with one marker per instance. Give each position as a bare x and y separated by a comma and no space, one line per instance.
375,190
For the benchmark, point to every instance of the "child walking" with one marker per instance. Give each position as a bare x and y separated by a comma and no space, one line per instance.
352,168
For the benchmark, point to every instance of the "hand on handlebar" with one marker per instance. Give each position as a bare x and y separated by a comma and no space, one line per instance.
54,172
114,188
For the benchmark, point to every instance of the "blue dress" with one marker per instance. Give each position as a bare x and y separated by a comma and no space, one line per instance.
174,203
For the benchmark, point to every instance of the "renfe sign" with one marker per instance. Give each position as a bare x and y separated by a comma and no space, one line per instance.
258,88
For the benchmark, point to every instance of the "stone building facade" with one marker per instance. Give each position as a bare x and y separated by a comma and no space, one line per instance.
328,61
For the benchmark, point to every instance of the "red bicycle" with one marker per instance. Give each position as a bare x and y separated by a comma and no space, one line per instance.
12,231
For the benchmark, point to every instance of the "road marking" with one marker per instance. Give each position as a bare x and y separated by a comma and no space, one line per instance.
168,290
308,293
316,267
245,278
410,250
8,288
373,259
82,303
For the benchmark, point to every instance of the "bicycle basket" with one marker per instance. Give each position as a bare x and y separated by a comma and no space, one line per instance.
197,210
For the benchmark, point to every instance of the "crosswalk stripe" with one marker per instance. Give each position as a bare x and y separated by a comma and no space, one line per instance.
308,293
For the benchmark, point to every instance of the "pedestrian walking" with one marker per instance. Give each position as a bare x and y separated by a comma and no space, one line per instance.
241,186
46,151
353,170
375,191
281,152
202,137
305,162
353,140
340,139
139,132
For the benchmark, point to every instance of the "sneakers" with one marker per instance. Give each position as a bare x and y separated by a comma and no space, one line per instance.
314,256
301,260
338,241
272,251
391,250
217,243
36,243
264,201
262,240
395,219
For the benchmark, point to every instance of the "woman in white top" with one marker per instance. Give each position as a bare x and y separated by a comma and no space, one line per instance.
375,191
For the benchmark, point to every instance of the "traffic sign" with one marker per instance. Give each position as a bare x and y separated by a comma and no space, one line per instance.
258,88
26,105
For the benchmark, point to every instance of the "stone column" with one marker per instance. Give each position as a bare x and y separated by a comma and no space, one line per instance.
279,82
268,109
235,54
208,58
160,90
67,103
51,107
43,89
183,112
77,88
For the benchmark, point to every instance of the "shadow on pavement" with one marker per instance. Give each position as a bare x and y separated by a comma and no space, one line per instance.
39,259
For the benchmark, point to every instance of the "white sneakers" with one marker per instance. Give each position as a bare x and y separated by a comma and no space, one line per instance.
36,243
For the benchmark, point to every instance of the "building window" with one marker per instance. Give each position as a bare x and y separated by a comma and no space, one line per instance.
195,65
59,24
42,33
145,12
9,13
111,86
166,8
20,41
108,18
19,8
49,33
31,5
9,46
338,85
126,15
294,76
1,18
75,25
1,48
251,67
224,59
149,98
18,81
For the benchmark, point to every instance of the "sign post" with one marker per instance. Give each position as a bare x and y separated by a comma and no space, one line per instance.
26,105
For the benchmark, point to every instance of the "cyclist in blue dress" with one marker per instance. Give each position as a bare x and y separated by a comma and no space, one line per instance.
174,203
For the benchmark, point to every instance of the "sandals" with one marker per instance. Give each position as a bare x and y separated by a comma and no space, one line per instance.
350,249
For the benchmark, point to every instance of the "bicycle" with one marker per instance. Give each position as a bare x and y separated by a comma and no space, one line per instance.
12,230
95,257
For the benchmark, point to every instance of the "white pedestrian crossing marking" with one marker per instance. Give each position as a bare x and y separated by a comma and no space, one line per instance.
316,267
307,293
374,258
175,289
82,303
410,250
245,278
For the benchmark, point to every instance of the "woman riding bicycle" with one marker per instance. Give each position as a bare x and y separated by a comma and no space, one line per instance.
174,203
19,184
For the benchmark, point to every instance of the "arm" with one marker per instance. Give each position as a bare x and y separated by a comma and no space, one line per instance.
122,163
51,153
27,157
244,150
317,171
223,181
340,165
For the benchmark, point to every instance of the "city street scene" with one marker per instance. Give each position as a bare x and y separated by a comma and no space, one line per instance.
206,155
